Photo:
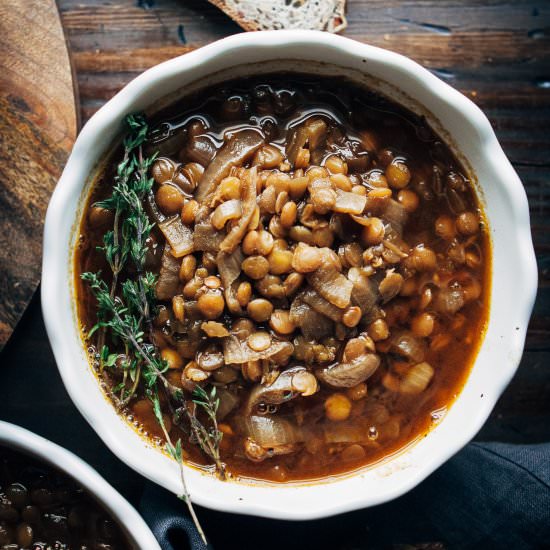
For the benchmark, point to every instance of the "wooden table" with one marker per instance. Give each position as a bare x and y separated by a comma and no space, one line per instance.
495,52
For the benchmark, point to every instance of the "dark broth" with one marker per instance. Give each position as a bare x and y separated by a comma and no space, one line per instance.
41,508
436,318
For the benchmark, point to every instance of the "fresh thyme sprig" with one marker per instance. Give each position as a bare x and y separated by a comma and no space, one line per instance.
126,197
125,310
209,438
176,452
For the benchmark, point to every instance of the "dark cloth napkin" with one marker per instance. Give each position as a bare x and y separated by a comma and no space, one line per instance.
490,495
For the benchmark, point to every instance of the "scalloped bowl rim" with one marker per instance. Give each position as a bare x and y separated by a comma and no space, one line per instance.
504,340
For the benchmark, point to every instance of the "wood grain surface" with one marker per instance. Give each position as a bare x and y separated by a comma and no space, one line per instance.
38,122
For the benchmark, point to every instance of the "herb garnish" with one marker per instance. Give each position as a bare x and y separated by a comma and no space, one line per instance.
125,311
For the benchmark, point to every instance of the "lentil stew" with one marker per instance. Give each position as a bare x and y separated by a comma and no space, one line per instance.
320,259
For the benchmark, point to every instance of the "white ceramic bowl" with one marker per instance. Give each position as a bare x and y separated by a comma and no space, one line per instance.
119,508
514,275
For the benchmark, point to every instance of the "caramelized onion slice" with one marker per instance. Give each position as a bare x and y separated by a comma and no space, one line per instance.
364,293
229,268
297,309
179,236
249,191
257,453
390,285
168,281
291,383
312,298
228,210
313,133
351,373
228,402
331,285
362,220
313,325
269,431
409,346
240,147
416,379
344,432
236,352
349,203
206,238
396,215
214,329
449,300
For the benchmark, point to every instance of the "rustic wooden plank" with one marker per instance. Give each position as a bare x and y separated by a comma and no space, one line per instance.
442,53
38,126
125,23
380,17
125,61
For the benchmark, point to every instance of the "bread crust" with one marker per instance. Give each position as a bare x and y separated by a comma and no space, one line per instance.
255,15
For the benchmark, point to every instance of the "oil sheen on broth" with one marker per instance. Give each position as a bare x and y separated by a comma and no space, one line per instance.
348,303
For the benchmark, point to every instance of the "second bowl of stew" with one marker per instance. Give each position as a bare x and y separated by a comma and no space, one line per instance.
284,274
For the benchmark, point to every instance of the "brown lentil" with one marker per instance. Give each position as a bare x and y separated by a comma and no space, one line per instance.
259,341
99,217
378,330
163,170
467,223
356,393
169,199
409,199
373,233
244,293
280,322
376,178
255,267
335,165
422,325
352,316
189,212
288,214
422,259
178,307
280,261
306,258
211,304
297,187
260,309
172,358
292,283
445,227
398,174
341,181
337,407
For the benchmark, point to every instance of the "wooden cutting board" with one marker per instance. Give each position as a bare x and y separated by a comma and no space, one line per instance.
38,123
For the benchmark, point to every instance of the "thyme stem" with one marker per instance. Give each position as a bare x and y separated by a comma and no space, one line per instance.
125,308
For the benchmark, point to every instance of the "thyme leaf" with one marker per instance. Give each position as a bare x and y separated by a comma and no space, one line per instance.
209,438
